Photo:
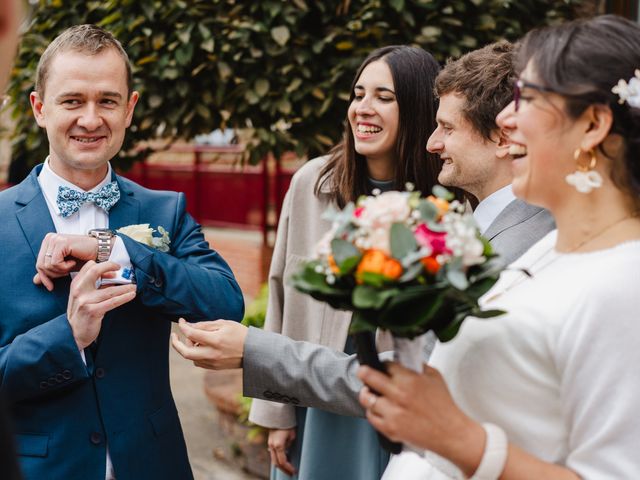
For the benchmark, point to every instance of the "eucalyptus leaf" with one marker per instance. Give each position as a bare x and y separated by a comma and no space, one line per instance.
428,211
441,192
343,250
457,277
401,240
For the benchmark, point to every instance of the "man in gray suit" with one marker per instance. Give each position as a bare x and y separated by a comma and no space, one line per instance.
475,156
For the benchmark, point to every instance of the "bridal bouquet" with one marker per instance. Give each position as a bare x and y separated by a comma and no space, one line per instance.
402,263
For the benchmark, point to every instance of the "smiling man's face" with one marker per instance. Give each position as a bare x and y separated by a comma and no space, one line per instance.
85,111
468,159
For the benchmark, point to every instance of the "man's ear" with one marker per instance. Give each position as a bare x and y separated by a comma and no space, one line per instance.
131,105
503,144
38,109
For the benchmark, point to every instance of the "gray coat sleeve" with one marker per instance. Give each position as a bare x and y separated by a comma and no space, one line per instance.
302,373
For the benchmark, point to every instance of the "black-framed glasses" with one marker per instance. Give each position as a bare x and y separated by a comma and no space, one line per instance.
521,84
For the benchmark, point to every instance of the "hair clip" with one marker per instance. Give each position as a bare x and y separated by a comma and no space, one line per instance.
629,92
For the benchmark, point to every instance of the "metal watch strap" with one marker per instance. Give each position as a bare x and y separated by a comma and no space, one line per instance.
104,237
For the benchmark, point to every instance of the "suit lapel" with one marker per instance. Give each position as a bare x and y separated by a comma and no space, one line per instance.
127,210
35,220
516,212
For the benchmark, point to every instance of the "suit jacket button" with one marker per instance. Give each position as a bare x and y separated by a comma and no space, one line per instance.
99,372
95,438
158,282
66,374
59,378
44,385
51,381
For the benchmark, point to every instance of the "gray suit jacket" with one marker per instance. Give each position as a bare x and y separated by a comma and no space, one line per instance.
279,369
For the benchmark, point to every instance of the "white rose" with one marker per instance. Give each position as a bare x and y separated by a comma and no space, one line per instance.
384,210
142,233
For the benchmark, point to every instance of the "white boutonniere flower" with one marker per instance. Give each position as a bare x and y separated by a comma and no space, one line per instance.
143,233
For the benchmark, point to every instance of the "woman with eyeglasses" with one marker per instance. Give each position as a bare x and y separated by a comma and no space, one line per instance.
550,389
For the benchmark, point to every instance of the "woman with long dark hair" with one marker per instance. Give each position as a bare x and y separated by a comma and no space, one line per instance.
391,114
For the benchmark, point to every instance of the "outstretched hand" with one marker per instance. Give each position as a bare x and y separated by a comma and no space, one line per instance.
216,345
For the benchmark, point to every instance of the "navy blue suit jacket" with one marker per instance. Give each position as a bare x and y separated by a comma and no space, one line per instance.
64,411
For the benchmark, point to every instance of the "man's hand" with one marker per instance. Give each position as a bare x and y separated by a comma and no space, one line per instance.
216,345
278,444
60,254
88,305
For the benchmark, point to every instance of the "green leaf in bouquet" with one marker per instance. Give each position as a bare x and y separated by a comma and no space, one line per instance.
428,211
349,264
313,283
441,192
480,287
487,247
373,279
402,241
451,330
366,297
487,313
362,322
415,318
455,274
343,250
411,272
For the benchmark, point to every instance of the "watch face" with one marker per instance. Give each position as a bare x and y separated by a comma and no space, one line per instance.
100,231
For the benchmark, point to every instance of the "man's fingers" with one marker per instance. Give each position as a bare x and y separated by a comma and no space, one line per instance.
375,380
195,335
178,346
42,278
117,300
189,352
209,326
105,294
92,271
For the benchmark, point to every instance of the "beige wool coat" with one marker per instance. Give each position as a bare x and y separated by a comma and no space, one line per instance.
290,312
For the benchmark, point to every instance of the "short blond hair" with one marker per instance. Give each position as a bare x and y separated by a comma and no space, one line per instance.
87,39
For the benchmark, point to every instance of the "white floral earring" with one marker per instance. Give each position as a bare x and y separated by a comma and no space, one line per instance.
585,178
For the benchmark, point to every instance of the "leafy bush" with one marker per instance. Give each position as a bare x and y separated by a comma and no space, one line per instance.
281,68
256,311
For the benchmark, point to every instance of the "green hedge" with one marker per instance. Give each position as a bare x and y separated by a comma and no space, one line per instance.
280,67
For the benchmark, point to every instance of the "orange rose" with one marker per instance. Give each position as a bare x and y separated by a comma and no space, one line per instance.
440,203
375,261
431,265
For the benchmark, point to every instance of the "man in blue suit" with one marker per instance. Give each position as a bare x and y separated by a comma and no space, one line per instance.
85,323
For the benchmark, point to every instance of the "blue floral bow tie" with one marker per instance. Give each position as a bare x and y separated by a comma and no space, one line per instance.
69,200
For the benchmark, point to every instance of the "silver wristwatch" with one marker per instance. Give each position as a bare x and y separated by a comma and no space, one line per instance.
104,236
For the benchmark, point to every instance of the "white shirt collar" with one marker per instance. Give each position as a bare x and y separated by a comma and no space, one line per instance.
50,181
489,208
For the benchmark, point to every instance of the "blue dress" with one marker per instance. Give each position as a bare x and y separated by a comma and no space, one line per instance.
329,446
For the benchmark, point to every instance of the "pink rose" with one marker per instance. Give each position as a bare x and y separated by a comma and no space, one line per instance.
437,241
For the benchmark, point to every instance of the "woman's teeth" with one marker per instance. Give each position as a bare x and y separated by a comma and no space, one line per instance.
368,129
517,150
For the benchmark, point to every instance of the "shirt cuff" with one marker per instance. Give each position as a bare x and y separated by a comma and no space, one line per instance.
120,256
